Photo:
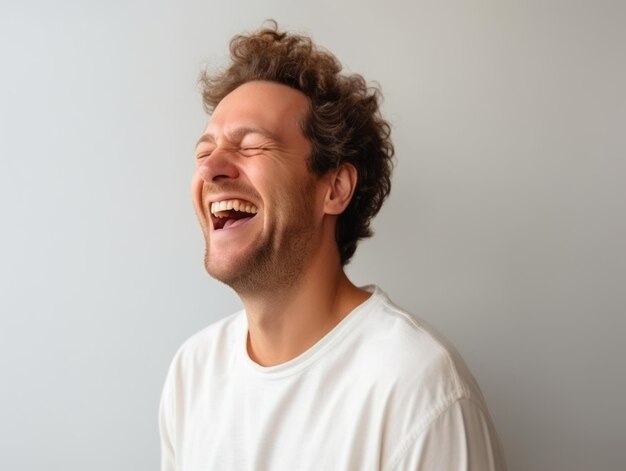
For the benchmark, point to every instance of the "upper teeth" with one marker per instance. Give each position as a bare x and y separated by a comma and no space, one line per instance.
237,205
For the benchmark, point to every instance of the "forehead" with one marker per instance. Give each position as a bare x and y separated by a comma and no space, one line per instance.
274,107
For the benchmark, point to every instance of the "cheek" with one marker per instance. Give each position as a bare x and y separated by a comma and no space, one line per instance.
196,191
202,172
199,177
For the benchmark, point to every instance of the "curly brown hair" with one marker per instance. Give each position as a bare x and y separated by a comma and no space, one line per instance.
344,123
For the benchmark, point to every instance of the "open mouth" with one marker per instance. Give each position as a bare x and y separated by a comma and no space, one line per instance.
228,213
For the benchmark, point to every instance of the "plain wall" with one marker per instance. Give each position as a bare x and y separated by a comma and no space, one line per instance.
505,229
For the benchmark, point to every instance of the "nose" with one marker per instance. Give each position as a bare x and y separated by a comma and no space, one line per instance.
220,165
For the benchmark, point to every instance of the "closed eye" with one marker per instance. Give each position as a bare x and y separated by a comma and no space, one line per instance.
203,155
204,151
250,151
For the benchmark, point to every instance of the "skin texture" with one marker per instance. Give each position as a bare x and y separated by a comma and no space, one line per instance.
284,262
257,153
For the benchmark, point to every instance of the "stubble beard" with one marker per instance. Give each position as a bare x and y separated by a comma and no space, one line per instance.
278,263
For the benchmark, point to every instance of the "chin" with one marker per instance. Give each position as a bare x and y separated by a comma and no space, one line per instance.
254,276
243,283
238,274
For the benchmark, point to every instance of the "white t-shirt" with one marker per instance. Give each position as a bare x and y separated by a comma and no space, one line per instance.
379,392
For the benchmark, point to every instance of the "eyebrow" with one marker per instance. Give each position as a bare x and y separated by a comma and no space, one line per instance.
238,133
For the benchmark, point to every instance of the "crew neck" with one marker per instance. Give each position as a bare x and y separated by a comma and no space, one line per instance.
317,350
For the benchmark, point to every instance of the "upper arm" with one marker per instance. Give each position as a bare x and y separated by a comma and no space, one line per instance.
166,426
460,438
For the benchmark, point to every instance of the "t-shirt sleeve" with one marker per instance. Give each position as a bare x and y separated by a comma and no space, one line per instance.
461,438
166,426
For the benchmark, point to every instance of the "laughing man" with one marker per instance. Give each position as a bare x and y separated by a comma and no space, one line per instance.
314,373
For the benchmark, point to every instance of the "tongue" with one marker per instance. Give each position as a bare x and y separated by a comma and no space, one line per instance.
234,222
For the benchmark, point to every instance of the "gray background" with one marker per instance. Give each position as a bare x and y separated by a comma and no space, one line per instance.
505,229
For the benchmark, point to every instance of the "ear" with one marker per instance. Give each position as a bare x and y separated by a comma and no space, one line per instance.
341,185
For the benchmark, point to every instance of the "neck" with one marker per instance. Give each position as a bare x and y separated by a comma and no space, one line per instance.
291,319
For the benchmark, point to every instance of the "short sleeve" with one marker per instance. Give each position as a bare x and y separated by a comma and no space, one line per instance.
166,426
460,438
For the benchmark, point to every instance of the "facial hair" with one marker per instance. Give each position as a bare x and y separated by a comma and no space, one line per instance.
278,263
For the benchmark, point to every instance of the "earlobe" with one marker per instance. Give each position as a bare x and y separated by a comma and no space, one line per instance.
341,188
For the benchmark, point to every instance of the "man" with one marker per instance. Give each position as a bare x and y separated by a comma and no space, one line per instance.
315,373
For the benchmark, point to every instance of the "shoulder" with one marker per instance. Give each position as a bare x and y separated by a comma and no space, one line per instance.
430,392
421,362
212,345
